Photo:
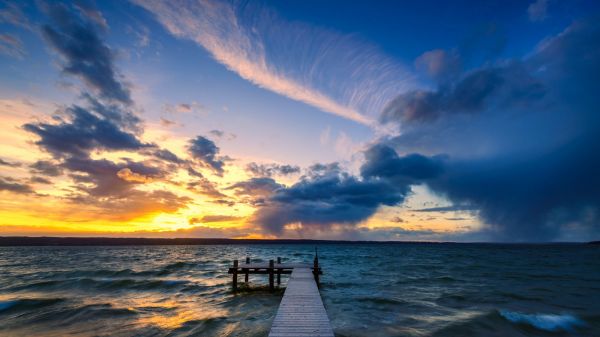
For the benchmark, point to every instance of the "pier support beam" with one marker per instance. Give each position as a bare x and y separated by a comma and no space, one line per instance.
278,272
235,274
246,275
271,275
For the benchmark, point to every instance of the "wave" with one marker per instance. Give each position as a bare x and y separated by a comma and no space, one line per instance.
27,303
103,283
382,300
548,322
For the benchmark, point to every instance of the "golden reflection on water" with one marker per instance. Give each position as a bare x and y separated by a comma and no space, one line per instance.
171,314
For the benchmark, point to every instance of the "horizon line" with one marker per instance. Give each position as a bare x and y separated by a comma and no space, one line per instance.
139,241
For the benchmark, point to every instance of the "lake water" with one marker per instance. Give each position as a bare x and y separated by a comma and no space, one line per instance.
368,290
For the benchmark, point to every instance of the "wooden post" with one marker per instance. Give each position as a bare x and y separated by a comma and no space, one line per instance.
235,270
271,276
246,276
316,266
278,271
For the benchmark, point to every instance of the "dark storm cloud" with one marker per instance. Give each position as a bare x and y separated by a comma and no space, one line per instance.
332,197
383,161
47,168
261,187
104,178
269,170
502,86
84,132
327,195
166,155
443,209
40,180
527,157
124,118
10,185
255,191
85,55
206,152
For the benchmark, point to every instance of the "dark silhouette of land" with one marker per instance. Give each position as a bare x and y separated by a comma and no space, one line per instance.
105,241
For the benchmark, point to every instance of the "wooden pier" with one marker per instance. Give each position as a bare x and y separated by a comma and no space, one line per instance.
301,312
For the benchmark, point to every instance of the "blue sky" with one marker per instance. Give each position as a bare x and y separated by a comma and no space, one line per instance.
471,113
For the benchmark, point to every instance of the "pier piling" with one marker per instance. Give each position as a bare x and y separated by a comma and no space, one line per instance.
235,274
246,270
278,271
271,275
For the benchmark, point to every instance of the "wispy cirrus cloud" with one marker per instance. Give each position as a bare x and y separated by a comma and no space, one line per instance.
339,74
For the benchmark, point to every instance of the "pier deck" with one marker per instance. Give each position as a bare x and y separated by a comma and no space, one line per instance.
301,311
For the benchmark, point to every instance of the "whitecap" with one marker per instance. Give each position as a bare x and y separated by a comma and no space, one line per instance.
548,322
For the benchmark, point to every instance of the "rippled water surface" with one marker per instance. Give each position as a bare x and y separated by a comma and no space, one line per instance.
368,290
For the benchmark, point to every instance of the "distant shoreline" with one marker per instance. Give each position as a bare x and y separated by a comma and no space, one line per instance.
108,241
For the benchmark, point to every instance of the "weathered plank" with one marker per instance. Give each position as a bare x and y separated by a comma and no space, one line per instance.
301,312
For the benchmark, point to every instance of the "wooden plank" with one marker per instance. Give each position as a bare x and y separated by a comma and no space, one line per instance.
301,311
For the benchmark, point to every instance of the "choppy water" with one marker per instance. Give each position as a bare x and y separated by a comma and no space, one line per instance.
368,290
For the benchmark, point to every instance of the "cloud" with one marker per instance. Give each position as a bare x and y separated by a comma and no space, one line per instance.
40,180
336,73
217,133
206,152
47,168
84,54
538,10
444,209
12,14
193,107
269,170
9,164
166,155
505,85
206,187
329,197
86,130
135,204
88,8
525,162
383,162
215,218
11,45
441,65
10,185
255,191
133,177
102,177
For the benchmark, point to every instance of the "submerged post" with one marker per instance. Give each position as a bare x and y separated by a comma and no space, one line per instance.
235,267
246,276
271,276
278,271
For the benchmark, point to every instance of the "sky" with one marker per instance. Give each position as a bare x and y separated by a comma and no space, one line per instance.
362,120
